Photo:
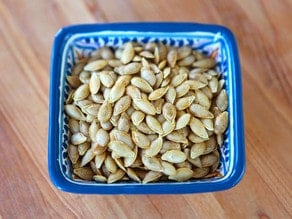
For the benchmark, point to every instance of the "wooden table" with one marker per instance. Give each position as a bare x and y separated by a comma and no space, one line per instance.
264,33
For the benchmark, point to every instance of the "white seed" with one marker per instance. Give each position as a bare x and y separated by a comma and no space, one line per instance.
197,150
183,121
95,65
106,79
182,174
174,156
222,101
149,76
154,148
122,105
168,168
128,53
200,111
185,102
105,112
152,163
145,106
151,176
102,137
154,124
198,128
140,139
178,137
78,138
142,84
158,93
121,149
137,117
170,95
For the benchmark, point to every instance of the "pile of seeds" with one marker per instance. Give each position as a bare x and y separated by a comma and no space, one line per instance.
146,113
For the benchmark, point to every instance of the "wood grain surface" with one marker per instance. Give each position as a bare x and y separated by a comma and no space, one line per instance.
264,33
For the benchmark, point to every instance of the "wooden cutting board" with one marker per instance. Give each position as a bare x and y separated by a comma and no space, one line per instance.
264,33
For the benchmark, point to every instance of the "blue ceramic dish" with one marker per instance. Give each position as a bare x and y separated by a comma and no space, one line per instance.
83,39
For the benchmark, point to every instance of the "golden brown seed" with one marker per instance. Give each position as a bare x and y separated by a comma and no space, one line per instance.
205,63
166,72
178,79
152,163
158,105
168,168
174,156
183,121
82,148
154,124
142,84
84,127
197,150
201,172
124,137
208,160
73,125
211,145
94,83
91,109
200,111
88,156
105,112
95,65
106,79
99,178
121,149
73,153
78,68
151,176
143,127
99,159
131,173
124,123
117,92
221,123
81,92
78,138
202,99
195,85
73,80
170,95
183,52
182,174
129,69
222,101
185,102
113,177
128,161
178,137
169,112
169,145
168,127
128,53
198,128
110,164
154,148
96,149
145,106
182,89
172,58
187,61
158,93
84,173
122,105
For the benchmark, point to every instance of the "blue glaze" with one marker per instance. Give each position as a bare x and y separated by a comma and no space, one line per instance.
86,38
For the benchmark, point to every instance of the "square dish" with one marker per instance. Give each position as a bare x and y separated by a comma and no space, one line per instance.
83,39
